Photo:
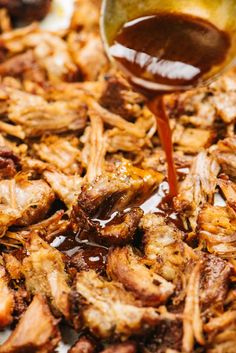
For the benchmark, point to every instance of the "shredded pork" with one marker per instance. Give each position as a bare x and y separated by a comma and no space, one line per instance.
88,237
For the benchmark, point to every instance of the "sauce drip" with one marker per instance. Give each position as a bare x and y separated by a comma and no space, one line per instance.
170,49
158,109
82,252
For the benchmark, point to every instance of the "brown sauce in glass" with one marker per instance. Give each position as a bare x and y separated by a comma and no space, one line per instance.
169,49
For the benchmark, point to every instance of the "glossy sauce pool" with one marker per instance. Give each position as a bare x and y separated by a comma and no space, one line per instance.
169,49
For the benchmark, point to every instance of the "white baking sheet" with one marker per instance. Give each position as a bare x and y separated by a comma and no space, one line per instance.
58,18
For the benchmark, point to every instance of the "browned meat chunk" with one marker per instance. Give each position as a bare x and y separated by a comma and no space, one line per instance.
225,105
119,189
9,163
202,107
119,98
19,65
13,266
217,227
6,300
122,228
127,347
198,187
88,53
191,140
48,229
36,332
228,189
214,281
27,11
83,345
119,231
194,107
124,266
66,187
225,153
164,248
44,272
23,201
108,310
63,153
157,161
37,116
167,338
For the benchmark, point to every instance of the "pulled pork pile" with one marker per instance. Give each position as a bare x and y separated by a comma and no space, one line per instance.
87,237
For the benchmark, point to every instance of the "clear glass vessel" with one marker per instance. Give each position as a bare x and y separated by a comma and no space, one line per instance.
221,13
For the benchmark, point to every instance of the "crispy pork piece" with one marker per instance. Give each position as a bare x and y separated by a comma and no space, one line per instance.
9,163
67,187
23,201
217,226
193,107
214,281
51,227
191,140
27,11
61,152
83,345
127,347
228,189
119,98
119,231
50,50
156,160
224,152
164,247
137,129
13,266
37,331
17,65
37,116
87,51
119,140
167,338
22,300
47,229
44,272
202,107
225,105
115,191
198,187
124,266
6,300
108,310
122,228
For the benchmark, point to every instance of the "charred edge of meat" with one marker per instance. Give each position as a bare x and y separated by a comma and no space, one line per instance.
119,231
37,330
83,345
9,163
125,266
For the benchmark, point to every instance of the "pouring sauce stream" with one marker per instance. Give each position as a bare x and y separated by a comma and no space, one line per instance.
173,50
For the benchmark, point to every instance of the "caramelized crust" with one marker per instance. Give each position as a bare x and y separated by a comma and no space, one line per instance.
37,330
